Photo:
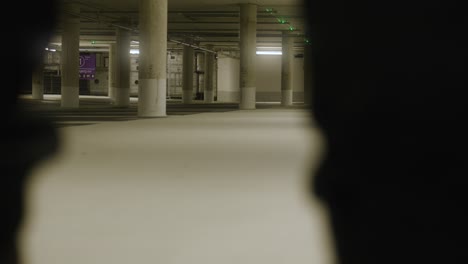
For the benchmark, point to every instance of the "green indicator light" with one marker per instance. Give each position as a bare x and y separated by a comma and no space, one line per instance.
93,42
282,21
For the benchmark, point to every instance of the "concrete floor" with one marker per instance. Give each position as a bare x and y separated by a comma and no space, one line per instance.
219,187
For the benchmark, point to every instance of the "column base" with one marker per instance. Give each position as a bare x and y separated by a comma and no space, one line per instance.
37,92
209,96
286,97
187,96
112,95
247,98
152,98
70,97
121,97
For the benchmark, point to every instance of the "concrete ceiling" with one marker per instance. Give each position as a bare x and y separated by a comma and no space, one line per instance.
202,22
192,4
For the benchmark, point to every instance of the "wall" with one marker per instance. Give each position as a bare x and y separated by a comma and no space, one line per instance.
52,77
134,75
174,74
99,86
269,79
228,80
298,80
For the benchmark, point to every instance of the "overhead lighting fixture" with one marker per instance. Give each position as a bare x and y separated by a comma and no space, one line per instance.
134,51
266,52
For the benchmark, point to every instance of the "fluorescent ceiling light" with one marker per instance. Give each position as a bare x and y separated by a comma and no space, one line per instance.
134,51
264,52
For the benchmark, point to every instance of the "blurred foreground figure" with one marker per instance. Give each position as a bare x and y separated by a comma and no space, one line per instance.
390,97
25,140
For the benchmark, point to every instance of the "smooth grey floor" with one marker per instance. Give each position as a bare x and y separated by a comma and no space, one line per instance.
208,188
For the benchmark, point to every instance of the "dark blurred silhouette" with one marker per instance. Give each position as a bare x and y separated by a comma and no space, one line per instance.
389,96
25,139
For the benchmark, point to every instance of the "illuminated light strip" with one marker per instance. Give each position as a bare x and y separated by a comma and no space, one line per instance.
277,53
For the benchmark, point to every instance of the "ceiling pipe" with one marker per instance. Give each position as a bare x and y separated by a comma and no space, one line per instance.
192,46
137,31
97,20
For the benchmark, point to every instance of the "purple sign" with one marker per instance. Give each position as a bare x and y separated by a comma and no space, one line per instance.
87,66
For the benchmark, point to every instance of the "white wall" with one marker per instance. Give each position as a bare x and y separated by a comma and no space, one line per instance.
99,86
228,80
268,75
298,80
174,74
134,74
269,78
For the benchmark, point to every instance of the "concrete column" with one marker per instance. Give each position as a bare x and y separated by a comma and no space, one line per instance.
209,72
112,71
308,74
215,77
200,68
187,72
248,49
120,80
38,81
286,70
153,58
71,57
